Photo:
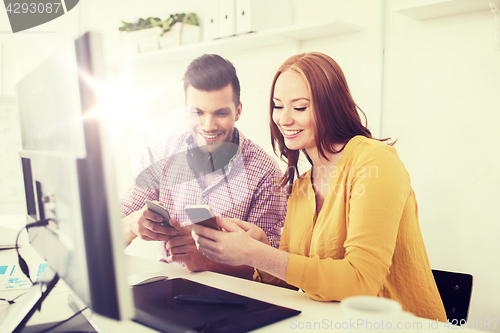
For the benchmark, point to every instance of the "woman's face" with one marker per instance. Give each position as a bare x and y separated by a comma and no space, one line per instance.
292,111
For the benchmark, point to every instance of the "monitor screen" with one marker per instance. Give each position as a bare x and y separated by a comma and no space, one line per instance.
69,184
69,178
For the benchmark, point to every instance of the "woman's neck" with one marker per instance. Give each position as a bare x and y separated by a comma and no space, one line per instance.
324,167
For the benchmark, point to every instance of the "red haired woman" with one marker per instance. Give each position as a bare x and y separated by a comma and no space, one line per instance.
352,224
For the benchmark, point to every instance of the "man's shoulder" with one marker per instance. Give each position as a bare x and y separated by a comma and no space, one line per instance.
255,155
249,147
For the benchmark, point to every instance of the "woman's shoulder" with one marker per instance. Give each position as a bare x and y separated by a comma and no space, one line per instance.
361,148
362,152
362,142
378,163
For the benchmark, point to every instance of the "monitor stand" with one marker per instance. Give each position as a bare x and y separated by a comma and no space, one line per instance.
79,323
22,311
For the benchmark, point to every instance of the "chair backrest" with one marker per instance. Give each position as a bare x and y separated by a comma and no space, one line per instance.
455,290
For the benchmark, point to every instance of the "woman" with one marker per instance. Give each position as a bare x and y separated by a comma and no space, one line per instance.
352,225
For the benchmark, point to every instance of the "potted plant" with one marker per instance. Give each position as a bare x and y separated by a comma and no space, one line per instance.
153,33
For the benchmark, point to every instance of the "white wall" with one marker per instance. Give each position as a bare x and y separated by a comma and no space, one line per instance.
21,52
359,54
440,100
24,50
12,191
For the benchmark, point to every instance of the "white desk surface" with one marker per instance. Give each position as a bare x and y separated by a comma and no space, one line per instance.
315,316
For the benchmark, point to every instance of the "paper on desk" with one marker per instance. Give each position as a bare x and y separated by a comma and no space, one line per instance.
12,277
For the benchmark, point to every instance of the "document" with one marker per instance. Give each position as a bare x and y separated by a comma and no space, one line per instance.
13,278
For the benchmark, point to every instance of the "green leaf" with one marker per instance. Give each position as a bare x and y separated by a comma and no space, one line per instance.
192,20
157,22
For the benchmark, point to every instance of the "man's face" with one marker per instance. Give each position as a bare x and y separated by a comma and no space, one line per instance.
211,115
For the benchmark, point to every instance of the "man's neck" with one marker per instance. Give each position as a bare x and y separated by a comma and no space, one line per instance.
209,179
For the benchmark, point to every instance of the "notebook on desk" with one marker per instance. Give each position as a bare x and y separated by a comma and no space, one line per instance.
156,307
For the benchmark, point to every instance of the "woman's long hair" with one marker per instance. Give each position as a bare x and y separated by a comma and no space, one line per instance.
335,115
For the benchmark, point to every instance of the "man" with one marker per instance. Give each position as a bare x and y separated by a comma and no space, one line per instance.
211,164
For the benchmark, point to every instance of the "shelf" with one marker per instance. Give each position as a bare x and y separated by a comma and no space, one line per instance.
428,9
291,35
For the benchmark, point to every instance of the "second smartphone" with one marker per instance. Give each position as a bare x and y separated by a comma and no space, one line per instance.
201,214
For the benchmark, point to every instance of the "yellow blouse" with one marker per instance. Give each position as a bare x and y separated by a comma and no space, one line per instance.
366,240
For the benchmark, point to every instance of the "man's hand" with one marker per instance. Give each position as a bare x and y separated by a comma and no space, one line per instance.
145,225
183,249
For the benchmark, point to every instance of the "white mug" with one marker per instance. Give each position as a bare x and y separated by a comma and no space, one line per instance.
376,314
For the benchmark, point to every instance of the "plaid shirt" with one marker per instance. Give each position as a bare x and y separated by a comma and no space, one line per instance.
247,190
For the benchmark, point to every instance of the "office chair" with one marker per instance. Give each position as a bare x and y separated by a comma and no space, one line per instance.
455,290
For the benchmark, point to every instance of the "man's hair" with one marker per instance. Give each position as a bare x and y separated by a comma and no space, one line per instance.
212,72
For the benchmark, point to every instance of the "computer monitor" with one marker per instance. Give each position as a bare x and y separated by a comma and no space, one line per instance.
69,180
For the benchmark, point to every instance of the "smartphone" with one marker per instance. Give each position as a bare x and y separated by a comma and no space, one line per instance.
160,210
202,215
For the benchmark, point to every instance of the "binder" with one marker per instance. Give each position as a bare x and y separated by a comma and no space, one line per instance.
211,22
259,15
227,16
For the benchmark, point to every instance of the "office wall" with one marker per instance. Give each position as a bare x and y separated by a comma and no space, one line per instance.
24,50
21,52
359,54
442,97
11,194
439,99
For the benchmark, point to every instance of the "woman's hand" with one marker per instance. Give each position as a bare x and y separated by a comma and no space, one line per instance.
240,243
251,229
233,245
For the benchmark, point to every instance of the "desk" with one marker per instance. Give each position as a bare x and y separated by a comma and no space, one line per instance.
315,316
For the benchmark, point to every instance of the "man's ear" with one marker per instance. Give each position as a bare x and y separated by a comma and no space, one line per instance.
238,111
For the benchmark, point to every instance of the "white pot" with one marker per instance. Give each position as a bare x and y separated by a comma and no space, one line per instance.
142,41
173,38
